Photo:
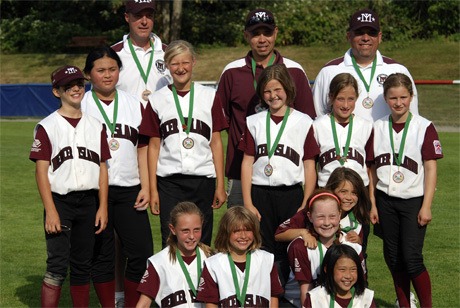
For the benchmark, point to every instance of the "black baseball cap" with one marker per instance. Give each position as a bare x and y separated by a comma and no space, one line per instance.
135,6
259,18
364,18
65,75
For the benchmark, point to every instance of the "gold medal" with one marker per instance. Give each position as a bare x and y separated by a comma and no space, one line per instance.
114,144
268,170
398,177
145,95
188,143
368,103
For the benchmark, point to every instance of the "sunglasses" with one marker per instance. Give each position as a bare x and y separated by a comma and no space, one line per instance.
370,32
266,19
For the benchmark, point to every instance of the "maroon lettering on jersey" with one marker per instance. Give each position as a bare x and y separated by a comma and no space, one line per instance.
385,159
168,128
87,154
253,301
200,127
330,156
61,157
281,150
174,299
126,132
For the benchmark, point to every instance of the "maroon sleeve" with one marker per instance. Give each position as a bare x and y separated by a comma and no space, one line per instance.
41,147
299,262
307,302
373,305
219,122
247,143
431,148
298,221
303,101
208,290
275,283
369,148
105,151
150,282
310,148
150,125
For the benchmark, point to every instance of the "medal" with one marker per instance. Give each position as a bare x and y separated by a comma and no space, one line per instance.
268,170
368,103
114,144
188,143
145,95
398,177
341,158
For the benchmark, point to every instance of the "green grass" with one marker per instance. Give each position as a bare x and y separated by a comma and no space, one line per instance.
22,249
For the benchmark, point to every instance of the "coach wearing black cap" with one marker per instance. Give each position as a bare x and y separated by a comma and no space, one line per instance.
366,64
236,89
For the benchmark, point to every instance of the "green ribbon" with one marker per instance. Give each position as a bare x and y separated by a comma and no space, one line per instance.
253,66
358,71
185,271
110,125
398,158
188,125
271,149
342,158
353,221
138,63
240,295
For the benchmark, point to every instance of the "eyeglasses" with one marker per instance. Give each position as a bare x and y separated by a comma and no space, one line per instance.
256,19
370,32
69,87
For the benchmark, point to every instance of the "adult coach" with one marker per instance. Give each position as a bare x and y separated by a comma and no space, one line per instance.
141,52
236,90
366,64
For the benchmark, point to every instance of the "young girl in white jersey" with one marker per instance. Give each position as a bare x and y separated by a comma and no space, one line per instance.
341,282
278,169
240,275
405,182
172,275
186,159
344,138
128,178
324,215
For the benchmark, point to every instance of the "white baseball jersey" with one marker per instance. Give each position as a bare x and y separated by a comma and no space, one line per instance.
287,160
123,167
75,153
259,285
356,157
411,164
346,222
385,66
320,298
174,158
174,290
130,78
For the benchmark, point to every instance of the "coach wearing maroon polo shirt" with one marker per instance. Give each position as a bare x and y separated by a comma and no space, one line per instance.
236,90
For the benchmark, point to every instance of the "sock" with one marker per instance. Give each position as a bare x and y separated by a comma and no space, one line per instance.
422,286
50,295
131,294
105,292
80,295
401,282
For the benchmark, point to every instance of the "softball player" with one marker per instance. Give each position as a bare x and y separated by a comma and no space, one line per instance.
128,178
70,152
237,276
172,275
405,178
184,122
324,214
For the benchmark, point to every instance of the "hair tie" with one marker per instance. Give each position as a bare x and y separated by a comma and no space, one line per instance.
320,195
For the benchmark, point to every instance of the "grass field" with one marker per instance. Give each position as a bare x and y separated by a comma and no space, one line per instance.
22,241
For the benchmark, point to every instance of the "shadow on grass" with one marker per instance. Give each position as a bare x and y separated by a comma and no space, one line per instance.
29,294
383,304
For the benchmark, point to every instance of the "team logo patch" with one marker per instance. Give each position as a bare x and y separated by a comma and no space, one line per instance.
160,65
437,147
36,146
366,17
201,284
297,265
381,78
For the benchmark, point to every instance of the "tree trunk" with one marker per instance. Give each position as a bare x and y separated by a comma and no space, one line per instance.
165,11
176,19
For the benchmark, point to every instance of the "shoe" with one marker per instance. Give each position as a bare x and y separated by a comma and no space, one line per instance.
413,301
120,302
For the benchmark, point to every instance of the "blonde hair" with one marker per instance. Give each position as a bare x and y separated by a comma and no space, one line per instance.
183,208
176,48
235,218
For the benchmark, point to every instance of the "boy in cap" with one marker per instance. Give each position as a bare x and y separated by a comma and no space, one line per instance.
141,52
366,64
236,89
72,180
